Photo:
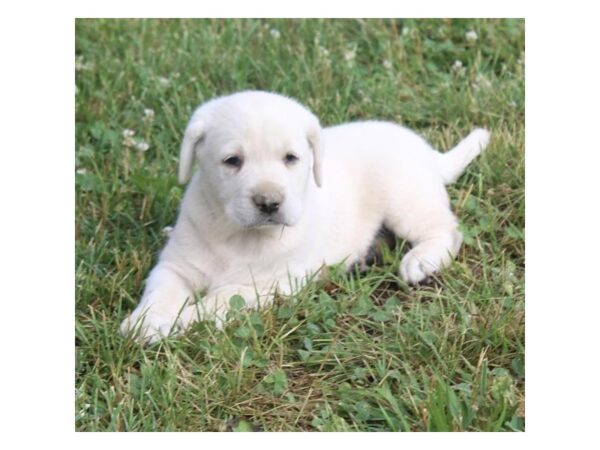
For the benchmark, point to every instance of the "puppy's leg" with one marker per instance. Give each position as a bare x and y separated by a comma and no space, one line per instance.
434,236
159,312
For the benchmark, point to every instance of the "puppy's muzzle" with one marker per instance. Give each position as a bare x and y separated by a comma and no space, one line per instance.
268,197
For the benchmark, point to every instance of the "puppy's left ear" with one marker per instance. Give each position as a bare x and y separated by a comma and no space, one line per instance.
193,135
313,134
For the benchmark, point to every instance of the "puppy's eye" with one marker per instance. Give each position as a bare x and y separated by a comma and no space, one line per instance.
290,158
233,161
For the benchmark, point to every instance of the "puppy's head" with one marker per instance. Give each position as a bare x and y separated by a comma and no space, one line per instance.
256,152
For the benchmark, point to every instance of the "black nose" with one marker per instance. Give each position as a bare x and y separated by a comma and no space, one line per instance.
267,204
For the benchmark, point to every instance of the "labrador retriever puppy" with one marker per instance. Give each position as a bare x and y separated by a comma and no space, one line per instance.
275,198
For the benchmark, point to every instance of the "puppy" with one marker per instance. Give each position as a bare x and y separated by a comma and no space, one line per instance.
275,198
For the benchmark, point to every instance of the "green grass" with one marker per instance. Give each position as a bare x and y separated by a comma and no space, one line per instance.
352,351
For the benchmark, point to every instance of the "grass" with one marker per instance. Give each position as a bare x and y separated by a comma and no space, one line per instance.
351,352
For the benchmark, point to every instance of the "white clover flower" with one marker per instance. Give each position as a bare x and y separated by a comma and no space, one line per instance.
148,113
323,51
458,68
387,64
81,65
471,36
128,140
405,31
350,55
142,146
164,81
276,34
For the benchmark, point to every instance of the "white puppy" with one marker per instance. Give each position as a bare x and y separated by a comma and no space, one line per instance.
275,198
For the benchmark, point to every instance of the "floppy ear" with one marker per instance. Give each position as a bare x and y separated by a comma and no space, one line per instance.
313,135
192,136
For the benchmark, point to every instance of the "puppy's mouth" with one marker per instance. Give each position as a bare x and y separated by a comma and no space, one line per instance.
269,221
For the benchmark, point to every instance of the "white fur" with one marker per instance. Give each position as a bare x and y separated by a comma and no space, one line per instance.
349,180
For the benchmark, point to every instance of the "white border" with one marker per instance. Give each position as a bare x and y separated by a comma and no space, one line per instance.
562,225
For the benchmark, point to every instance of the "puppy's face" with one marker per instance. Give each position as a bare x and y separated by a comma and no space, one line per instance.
259,176
255,157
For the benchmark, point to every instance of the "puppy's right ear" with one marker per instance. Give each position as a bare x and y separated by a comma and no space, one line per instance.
313,134
194,133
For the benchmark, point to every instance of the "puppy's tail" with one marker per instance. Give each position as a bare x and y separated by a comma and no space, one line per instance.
454,162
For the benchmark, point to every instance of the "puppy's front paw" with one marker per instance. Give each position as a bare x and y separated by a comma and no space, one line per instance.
416,266
149,327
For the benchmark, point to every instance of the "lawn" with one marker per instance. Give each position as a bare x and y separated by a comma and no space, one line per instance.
350,352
